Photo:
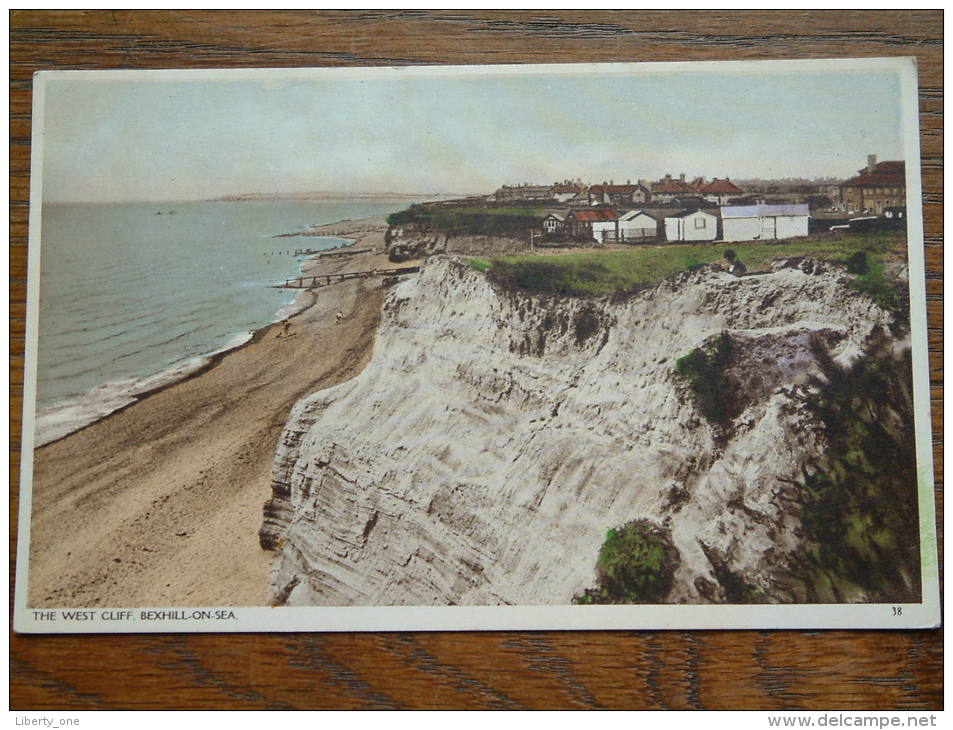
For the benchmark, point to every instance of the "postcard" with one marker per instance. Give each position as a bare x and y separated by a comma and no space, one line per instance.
627,346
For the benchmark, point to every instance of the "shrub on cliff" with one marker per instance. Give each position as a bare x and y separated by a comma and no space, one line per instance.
404,217
871,280
635,565
702,369
859,505
857,263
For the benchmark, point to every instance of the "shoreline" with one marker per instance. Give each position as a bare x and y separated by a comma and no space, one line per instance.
76,413
159,503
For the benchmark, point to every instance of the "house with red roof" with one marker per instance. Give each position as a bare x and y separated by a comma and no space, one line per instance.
668,189
697,184
720,191
875,188
609,194
586,223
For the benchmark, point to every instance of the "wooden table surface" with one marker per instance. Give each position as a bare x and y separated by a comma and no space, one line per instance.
770,670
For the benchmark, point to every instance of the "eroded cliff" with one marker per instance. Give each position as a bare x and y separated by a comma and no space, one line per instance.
496,436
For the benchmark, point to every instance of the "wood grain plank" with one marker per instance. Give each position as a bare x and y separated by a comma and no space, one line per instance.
742,669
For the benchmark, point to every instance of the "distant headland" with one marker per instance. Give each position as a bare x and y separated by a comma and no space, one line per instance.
338,195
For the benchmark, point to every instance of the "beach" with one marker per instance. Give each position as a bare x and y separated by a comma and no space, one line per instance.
159,504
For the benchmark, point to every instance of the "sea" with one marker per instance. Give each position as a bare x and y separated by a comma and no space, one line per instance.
134,296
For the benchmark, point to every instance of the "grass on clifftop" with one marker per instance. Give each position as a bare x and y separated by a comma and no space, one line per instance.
463,220
607,272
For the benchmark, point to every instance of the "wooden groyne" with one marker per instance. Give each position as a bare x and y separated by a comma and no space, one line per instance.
318,280
329,254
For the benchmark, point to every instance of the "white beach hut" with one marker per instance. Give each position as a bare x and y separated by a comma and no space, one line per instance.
764,222
637,225
691,225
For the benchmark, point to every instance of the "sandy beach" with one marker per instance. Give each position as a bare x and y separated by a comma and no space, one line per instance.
159,504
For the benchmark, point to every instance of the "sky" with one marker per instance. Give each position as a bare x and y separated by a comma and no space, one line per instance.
136,138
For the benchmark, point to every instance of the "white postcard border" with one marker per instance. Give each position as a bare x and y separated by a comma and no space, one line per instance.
443,618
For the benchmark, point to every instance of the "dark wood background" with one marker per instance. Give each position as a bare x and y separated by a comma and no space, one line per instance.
627,670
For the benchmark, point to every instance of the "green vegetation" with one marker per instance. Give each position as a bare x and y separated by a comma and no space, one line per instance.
870,280
602,272
607,272
859,508
552,275
635,565
703,370
857,263
463,220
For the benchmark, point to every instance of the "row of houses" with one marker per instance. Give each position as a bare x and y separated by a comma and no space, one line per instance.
726,223
563,192
876,189
718,191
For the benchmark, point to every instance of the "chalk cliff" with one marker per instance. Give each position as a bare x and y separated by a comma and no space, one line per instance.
495,437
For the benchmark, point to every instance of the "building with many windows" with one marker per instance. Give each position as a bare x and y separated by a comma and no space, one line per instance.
878,186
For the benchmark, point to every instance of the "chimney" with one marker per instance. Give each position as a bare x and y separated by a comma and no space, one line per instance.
682,177
668,176
871,162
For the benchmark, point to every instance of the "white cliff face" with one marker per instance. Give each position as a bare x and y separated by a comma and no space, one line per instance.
496,436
